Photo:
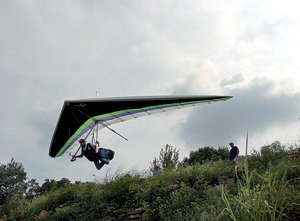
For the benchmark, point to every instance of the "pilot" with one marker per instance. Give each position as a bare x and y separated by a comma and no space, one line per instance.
94,153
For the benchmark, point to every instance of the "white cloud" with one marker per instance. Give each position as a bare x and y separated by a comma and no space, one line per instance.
255,107
238,78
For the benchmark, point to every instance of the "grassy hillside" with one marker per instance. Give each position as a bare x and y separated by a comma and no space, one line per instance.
266,187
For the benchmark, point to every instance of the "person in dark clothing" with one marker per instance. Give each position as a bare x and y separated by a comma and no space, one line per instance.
93,153
234,151
156,169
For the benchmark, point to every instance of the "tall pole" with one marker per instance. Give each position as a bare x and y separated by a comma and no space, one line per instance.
299,124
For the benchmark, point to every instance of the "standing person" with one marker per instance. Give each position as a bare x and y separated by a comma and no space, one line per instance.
156,170
93,153
234,151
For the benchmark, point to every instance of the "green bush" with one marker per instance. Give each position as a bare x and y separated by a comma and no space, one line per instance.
207,154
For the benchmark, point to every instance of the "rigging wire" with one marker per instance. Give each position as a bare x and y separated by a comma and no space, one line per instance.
81,112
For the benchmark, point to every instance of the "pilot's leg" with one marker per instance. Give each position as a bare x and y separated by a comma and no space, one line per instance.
98,165
104,160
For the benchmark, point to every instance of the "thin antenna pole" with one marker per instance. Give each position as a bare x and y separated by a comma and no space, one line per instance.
299,123
247,143
246,168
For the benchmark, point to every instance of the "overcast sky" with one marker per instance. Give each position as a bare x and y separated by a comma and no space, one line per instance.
51,51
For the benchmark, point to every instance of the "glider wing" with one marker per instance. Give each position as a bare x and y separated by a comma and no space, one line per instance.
79,117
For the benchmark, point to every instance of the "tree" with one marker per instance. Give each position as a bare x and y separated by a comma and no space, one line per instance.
33,189
12,180
12,186
53,184
207,154
268,155
168,157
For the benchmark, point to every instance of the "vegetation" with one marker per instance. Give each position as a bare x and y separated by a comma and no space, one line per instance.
207,154
12,183
168,157
205,186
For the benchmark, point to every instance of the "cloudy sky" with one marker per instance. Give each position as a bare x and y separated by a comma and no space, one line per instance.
51,51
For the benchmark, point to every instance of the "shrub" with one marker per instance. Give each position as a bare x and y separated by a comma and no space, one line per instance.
266,196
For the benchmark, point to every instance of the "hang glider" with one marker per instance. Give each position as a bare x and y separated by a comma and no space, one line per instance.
79,117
